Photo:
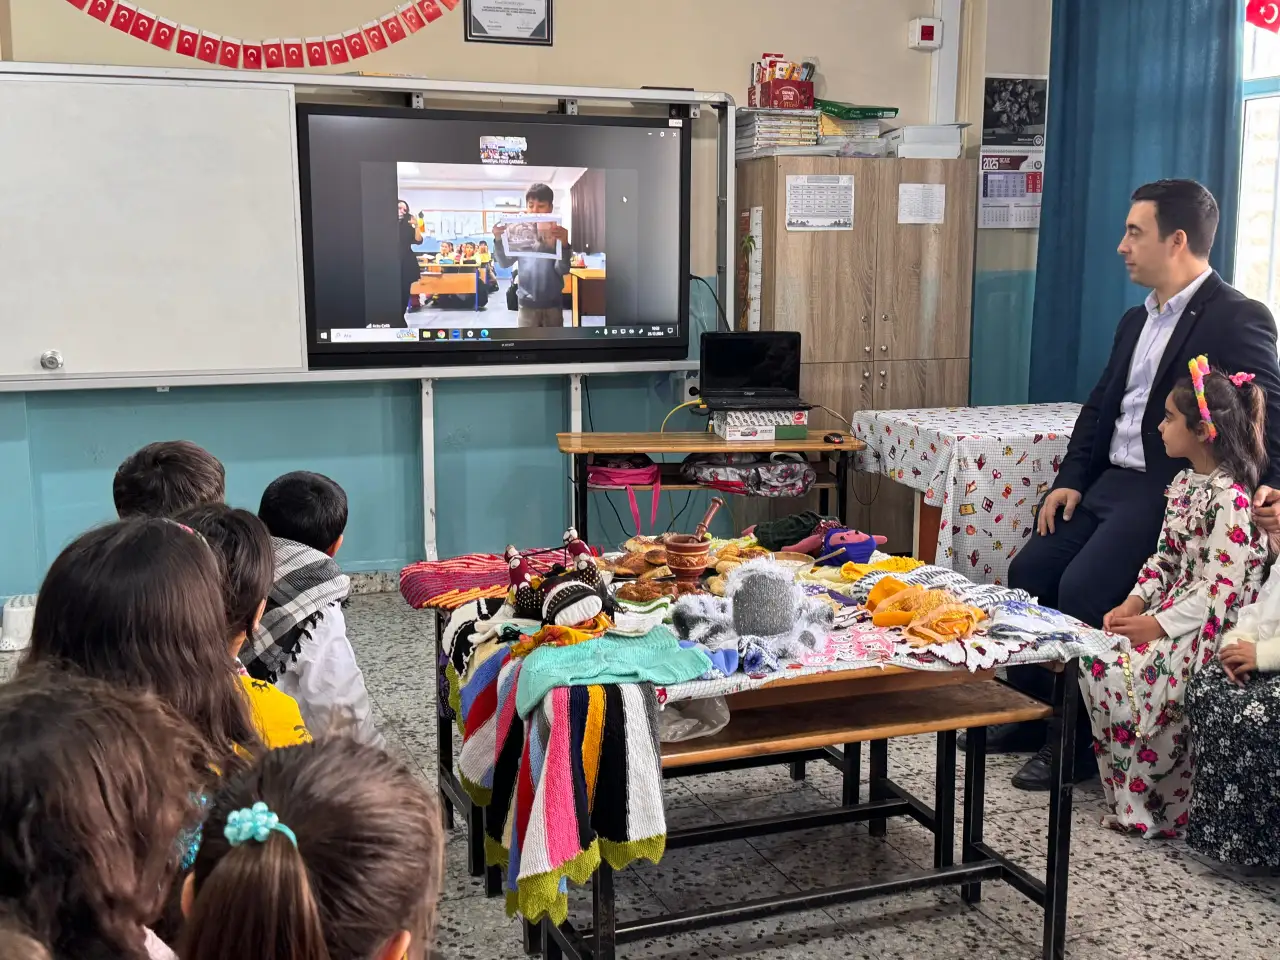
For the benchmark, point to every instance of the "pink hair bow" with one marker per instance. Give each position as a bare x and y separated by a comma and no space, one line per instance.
1240,379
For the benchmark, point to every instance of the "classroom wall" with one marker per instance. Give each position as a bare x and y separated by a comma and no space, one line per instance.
498,476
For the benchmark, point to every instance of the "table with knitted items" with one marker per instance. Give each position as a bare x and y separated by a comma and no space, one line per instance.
985,467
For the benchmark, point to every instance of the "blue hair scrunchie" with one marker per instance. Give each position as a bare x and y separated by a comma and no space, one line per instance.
254,823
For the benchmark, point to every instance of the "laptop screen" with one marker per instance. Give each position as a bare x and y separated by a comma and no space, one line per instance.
736,362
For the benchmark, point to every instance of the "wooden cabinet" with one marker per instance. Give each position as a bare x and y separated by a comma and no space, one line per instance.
883,309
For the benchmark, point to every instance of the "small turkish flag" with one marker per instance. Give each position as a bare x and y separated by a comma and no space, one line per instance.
393,28
79,4
229,52
122,19
209,46
272,54
144,23
430,10
412,19
1264,14
373,33
101,9
356,46
451,4
293,58
337,49
315,52
164,33
188,40
251,56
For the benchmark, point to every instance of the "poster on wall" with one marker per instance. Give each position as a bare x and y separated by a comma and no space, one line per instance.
508,21
750,267
1011,158
820,202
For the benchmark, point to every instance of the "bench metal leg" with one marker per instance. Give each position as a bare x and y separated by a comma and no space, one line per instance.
879,773
797,770
1062,738
532,938
550,945
851,775
944,805
975,777
444,725
475,842
604,917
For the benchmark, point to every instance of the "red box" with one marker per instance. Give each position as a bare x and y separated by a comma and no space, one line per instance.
782,95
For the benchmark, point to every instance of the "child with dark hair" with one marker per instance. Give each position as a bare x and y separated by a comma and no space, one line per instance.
541,289
163,478
1208,564
139,603
327,851
301,642
96,783
243,547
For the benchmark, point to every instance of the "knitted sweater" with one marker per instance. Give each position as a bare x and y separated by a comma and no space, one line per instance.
1259,623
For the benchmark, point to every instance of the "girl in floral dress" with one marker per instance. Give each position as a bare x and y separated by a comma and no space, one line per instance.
1207,565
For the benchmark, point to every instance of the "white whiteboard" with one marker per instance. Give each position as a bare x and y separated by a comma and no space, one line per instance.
148,227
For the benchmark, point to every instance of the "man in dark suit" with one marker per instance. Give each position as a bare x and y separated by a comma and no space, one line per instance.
1102,518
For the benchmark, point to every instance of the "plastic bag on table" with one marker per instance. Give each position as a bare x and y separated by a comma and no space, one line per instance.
690,719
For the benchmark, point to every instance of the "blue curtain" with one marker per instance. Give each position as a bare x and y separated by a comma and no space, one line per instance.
1139,90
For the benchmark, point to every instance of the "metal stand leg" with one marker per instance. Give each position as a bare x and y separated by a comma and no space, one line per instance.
824,501
851,775
1062,738
944,805
879,773
532,938
975,776
581,504
797,770
444,726
475,842
492,875
604,914
842,487
550,947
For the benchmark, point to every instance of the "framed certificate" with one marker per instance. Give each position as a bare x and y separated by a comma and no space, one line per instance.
508,21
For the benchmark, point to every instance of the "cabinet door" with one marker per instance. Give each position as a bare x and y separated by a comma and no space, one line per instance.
924,272
907,385
844,387
824,280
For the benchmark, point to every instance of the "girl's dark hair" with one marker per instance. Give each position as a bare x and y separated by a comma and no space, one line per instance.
139,603
1239,415
96,781
368,864
243,547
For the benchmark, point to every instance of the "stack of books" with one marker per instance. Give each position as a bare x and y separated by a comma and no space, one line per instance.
851,138
931,141
767,133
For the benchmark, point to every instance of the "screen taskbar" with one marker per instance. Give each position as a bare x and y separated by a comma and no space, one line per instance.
452,335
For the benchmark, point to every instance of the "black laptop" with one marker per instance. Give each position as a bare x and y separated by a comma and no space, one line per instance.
751,371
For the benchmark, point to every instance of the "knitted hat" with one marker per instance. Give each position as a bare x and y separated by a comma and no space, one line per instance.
527,600
569,602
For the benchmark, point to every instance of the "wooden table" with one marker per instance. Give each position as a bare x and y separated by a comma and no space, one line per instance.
587,286
582,446
464,281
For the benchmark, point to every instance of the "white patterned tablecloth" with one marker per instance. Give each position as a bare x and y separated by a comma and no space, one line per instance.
986,467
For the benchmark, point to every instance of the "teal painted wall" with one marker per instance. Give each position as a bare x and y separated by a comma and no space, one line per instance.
1001,347
499,478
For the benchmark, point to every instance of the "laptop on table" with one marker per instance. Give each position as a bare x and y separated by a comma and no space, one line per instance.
751,371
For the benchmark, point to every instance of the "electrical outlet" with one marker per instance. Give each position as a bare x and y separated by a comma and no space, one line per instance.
691,388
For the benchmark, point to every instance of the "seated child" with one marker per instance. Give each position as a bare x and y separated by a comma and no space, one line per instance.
1207,565
139,603
330,849
163,478
243,546
1233,707
301,643
96,782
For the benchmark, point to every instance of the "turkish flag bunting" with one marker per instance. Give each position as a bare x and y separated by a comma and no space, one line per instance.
210,43
122,18
251,56
144,23
337,49
101,9
374,35
229,52
356,45
430,10
293,53
164,33
315,52
188,41
79,4
272,54
393,28
1264,14
451,4
412,18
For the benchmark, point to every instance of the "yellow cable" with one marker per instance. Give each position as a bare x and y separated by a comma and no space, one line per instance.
691,403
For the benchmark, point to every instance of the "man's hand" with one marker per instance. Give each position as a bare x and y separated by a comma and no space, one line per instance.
1138,629
1239,660
1266,511
1131,607
1063,499
558,232
499,229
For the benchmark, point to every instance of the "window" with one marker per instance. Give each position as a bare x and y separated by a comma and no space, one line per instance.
1258,231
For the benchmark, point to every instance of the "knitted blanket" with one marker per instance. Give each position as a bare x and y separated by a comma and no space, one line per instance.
423,584
306,582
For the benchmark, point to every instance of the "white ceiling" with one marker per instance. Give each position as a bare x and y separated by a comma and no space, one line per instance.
476,176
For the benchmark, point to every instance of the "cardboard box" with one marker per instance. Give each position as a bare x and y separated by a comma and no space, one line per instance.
764,432
782,95
759,418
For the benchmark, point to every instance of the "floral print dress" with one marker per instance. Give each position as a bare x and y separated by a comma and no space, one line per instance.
1207,565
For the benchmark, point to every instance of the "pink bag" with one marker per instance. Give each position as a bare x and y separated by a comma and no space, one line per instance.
622,472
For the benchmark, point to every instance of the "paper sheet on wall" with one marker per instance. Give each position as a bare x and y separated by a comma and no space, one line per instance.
755,267
922,202
820,202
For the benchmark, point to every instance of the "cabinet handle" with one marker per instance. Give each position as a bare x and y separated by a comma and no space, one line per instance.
866,374
51,360
884,373
883,386
865,318
866,349
884,316
884,349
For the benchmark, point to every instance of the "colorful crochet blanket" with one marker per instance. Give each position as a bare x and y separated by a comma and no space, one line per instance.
445,583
